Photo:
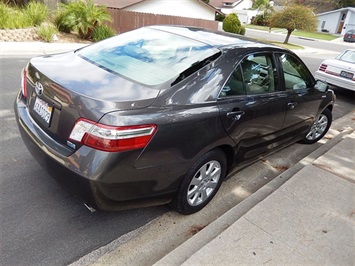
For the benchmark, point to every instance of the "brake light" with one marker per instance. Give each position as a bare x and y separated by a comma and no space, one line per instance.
323,67
111,138
24,82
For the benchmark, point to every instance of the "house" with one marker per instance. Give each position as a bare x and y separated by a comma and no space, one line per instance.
183,8
337,21
241,7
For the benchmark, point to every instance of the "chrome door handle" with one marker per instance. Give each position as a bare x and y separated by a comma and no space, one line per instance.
235,115
292,105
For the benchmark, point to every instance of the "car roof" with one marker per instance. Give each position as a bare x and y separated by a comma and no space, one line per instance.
217,39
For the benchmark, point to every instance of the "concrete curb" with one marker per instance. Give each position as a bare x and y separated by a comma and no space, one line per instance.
179,255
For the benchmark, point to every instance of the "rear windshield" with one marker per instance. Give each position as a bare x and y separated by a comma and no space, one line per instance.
347,56
147,56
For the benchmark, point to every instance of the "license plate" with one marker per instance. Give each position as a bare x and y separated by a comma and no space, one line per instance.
43,110
347,75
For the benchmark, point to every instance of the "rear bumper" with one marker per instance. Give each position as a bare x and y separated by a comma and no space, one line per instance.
349,40
106,181
335,80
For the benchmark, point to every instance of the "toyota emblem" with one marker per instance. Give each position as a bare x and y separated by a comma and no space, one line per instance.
38,88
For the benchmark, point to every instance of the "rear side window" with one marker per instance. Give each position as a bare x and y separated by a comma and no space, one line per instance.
254,75
235,84
148,56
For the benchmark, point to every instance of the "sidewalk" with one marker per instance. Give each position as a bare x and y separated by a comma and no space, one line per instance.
309,220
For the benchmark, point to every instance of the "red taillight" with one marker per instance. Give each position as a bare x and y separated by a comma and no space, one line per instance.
323,67
24,82
111,138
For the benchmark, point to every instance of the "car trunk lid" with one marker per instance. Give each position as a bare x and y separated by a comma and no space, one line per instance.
63,88
339,68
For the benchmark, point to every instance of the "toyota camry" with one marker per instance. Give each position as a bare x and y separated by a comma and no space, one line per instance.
162,114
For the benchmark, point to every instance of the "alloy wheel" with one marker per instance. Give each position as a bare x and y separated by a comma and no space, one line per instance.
204,183
318,128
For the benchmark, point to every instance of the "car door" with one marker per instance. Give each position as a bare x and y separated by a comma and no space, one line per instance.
251,106
303,100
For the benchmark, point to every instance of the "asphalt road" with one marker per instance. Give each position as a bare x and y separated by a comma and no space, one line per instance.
41,223
330,46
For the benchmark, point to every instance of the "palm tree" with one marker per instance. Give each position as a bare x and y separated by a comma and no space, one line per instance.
83,17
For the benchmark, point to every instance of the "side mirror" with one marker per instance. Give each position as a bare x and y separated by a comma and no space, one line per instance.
321,86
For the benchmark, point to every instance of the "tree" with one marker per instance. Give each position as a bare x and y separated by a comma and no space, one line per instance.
258,3
320,6
267,8
294,17
232,24
82,16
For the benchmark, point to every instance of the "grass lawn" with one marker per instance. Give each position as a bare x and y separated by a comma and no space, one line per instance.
315,35
305,34
287,46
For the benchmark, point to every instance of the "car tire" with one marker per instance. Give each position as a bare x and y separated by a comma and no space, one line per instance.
201,182
319,128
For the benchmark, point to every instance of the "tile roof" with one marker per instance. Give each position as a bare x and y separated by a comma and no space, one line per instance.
117,3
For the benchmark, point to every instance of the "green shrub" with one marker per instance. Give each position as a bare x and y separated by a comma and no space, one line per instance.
12,18
82,16
102,32
5,13
242,30
261,19
220,17
15,18
46,32
232,24
36,13
59,21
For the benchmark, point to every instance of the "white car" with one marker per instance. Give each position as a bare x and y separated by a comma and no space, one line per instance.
340,71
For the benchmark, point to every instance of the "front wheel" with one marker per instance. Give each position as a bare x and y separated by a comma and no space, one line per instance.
201,183
319,128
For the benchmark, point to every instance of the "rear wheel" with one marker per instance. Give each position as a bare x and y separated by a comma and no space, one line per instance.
319,128
201,183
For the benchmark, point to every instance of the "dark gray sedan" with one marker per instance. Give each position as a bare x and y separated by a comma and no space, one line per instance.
162,114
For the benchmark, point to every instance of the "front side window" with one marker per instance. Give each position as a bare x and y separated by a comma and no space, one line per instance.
147,55
296,75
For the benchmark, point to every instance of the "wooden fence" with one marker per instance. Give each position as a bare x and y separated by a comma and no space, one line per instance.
127,20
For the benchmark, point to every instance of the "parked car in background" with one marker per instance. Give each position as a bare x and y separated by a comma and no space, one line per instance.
349,36
340,71
162,114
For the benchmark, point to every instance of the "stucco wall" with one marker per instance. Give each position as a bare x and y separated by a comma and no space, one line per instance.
349,22
246,4
182,8
331,22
